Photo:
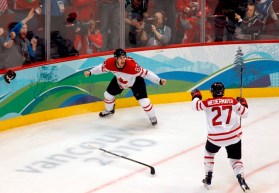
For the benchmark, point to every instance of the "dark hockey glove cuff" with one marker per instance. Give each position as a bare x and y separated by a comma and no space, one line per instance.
196,93
242,101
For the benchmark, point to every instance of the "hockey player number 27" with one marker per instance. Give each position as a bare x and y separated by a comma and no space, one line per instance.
220,110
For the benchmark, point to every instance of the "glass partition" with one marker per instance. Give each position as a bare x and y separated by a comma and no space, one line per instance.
42,30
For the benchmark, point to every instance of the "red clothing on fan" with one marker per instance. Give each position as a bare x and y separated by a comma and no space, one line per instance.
192,32
85,9
95,40
185,23
24,5
3,6
181,4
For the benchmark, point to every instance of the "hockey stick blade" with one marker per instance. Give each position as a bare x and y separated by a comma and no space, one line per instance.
152,169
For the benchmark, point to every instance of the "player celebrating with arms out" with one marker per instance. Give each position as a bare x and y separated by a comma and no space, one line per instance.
127,74
224,129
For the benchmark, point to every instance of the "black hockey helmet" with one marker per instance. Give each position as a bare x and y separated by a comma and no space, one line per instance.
217,89
119,52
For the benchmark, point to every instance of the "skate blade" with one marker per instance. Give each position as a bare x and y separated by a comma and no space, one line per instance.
207,186
244,188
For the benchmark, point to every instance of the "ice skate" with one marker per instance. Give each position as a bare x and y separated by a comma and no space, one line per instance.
153,121
242,182
106,113
207,180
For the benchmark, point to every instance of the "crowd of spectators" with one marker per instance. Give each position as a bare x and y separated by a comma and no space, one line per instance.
79,27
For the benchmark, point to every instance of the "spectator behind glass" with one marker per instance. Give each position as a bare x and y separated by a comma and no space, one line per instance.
250,26
188,22
22,8
168,7
225,22
5,43
84,17
265,10
156,32
110,23
187,25
2,47
136,10
58,20
88,38
25,48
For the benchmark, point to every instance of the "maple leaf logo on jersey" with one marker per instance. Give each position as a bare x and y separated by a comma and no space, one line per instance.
122,81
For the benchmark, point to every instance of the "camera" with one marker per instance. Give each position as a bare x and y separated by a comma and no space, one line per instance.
82,26
239,9
148,24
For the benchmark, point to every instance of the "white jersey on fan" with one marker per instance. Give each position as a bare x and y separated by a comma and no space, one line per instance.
223,119
126,76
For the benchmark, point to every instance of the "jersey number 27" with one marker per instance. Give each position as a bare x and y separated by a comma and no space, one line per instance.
220,110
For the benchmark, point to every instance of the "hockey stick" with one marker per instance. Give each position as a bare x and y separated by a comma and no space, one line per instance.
152,169
241,70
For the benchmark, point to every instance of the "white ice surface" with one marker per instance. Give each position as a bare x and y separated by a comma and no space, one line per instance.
54,157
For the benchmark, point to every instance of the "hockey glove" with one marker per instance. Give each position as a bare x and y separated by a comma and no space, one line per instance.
10,75
196,93
242,101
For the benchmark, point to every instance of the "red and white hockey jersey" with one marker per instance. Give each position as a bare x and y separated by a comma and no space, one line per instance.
126,76
223,119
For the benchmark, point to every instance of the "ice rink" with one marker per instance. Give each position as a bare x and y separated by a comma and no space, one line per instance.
54,156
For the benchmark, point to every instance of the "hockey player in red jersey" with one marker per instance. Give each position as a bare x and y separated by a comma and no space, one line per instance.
127,74
223,116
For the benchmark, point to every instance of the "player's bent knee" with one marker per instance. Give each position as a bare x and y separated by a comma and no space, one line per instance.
108,96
